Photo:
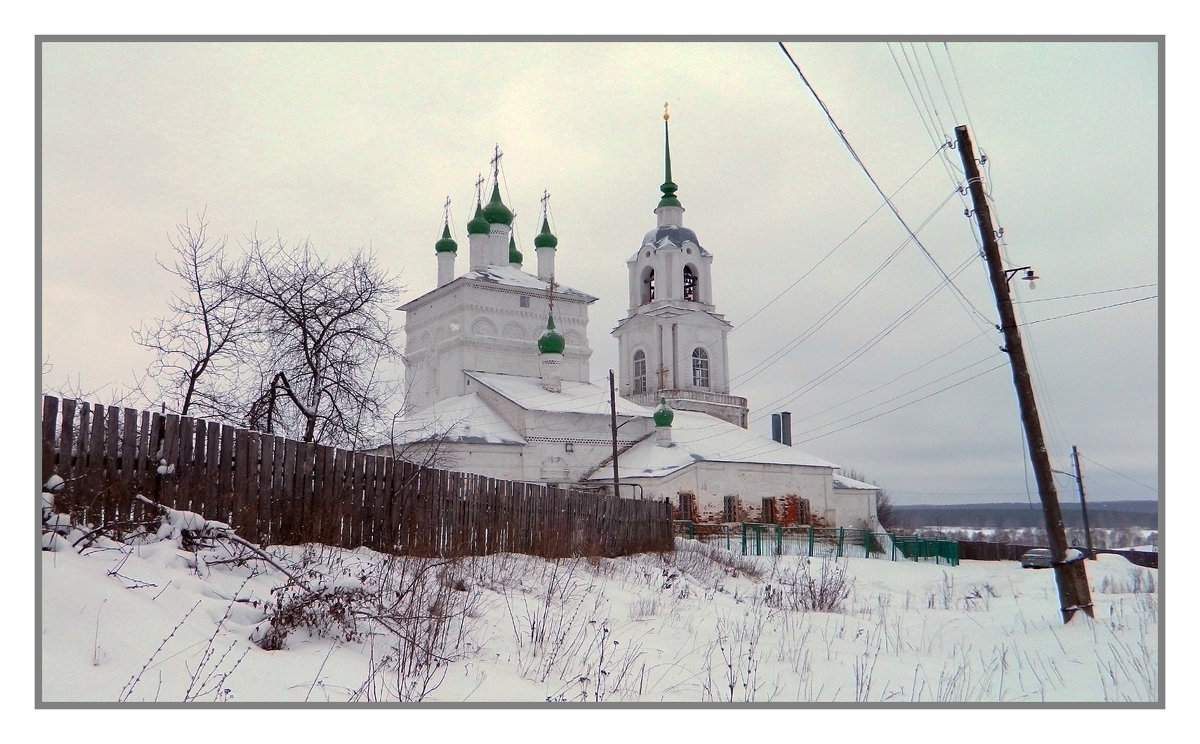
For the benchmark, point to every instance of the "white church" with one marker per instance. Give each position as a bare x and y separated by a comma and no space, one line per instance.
499,382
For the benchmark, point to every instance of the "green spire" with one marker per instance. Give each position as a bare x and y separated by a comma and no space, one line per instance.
551,341
663,415
446,244
478,224
545,239
514,256
495,212
668,188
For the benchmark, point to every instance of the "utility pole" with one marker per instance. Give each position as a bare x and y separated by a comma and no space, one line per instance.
1087,529
1071,577
612,400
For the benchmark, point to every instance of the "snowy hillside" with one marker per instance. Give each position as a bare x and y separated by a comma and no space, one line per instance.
153,622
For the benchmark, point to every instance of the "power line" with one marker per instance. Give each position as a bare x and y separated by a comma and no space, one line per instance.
842,242
869,344
1087,294
1001,365
842,135
840,305
1126,477
1092,310
895,397
961,97
892,381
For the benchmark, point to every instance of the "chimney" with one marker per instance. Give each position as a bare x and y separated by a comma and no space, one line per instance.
781,427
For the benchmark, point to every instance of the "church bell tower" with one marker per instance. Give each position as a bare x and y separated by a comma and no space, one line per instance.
673,345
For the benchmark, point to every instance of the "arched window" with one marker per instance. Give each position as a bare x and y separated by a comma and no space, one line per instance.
647,285
639,371
691,281
700,368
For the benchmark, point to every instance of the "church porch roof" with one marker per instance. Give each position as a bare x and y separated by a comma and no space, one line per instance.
697,437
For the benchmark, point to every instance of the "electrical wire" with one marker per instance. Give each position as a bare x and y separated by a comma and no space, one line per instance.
1120,475
958,292
895,398
1087,294
831,313
861,350
842,242
1091,310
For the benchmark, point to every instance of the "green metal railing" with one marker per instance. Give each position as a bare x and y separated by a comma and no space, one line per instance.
837,542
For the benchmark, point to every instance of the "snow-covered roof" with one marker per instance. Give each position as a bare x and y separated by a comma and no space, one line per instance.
841,481
672,235
576,397
463,418
505,276
698,437
511,277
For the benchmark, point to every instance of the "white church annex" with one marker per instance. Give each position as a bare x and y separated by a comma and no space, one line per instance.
499,382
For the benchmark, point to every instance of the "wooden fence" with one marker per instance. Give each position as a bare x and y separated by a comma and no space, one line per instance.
273,490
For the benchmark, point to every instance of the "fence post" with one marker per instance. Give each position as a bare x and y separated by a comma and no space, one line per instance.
811,540
841,537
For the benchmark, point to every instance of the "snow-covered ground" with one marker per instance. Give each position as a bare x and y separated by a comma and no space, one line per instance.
149,622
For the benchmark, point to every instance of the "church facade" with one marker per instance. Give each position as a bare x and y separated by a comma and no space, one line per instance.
499,382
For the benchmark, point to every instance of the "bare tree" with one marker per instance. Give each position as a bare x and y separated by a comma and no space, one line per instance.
884,511
199,343
322,337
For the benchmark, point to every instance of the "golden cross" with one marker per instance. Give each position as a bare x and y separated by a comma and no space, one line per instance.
550,287
446,209
479,188
666,112
545,198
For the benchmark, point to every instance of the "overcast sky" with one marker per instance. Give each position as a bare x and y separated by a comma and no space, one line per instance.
355,145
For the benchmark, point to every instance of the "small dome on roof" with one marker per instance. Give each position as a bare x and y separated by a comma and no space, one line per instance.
514,256
663,415
551,341
545,239
478,224
446,244
495,212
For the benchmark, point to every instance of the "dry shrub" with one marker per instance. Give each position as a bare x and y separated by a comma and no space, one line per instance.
709,564
801,587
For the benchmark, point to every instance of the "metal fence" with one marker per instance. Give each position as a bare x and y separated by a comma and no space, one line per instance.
838,542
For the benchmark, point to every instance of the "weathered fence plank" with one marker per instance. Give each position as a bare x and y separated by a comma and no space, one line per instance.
280,491
49,427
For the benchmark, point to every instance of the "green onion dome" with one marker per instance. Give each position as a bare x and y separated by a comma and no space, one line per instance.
514,256
663,415
446,244
551,341
545,239
478,224
495,212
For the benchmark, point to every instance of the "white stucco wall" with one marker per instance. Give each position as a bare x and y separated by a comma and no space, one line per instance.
486,329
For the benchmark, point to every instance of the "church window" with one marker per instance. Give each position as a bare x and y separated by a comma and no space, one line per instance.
690,282
524,301
700,368
647,285
639,371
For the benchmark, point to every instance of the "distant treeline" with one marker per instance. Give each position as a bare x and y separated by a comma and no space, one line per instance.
1103,514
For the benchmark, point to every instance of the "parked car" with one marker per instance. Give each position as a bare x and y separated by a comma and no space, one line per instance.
1037,558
